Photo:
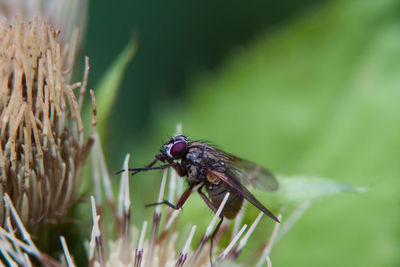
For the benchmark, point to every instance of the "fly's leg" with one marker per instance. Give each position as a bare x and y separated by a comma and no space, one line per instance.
178,205
151,164
214,209
162,167
179,170
158,157
177,167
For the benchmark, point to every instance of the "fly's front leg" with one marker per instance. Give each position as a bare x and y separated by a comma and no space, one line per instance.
158,157
162,167
161,157
178,168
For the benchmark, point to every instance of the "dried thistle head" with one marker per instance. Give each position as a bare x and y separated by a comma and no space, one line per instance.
41,147
70,15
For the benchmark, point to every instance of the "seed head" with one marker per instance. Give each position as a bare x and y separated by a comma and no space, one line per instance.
41,147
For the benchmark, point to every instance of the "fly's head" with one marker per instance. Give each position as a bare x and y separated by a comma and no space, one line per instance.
176,147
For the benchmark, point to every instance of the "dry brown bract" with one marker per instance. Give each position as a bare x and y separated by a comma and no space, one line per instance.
42,147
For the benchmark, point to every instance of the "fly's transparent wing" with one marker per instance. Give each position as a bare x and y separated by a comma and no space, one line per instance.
245,172
251,174
237,173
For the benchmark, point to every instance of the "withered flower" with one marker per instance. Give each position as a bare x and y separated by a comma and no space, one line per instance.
42,147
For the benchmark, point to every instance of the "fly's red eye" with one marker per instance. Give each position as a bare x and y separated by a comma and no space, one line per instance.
177,149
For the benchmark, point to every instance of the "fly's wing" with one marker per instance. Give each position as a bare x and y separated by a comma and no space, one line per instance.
246,172
229,178
251,174
237,174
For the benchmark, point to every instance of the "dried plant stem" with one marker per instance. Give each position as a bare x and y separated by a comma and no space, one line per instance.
268,246
156,221
209,230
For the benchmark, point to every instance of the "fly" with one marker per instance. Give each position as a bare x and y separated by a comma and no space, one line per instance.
215,171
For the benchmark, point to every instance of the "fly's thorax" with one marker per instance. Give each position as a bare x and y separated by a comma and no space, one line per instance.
207,156
193,171
193,163
200,157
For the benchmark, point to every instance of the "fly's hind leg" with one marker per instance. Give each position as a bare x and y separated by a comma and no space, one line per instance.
214,209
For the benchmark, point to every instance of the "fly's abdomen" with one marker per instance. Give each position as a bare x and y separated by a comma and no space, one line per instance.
217,194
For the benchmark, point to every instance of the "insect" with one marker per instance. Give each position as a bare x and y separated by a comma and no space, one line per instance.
217,172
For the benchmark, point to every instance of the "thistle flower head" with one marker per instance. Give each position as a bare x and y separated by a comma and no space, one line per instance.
41,146
155,244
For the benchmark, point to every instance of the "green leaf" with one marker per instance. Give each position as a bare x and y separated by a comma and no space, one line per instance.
107,88
297,193
297,189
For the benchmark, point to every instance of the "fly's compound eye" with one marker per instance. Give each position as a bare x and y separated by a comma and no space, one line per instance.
178,149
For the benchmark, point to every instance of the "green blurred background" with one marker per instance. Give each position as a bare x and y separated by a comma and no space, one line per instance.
310,87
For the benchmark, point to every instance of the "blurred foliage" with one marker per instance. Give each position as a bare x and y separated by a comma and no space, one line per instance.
111,81
297,189
318,96
109,85
177,40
